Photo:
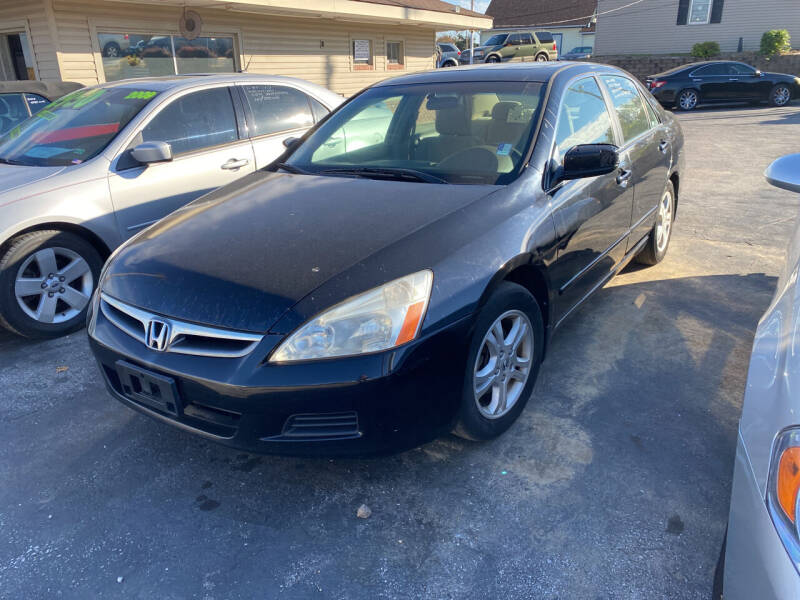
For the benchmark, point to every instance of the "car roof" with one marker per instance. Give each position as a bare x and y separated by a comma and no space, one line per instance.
533,71
698,64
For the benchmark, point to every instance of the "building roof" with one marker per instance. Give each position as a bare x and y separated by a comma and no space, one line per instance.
541,13
433,5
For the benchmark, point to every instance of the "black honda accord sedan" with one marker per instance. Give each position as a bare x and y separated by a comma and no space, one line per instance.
398,273
710,82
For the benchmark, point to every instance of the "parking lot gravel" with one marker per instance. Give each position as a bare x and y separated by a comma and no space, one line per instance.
614,483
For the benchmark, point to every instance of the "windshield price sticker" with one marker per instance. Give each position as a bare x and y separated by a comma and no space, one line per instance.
504,149
140,95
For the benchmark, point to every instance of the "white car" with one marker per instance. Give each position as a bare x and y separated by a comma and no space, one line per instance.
99,165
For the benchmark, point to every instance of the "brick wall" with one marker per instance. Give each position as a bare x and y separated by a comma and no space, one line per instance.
642,66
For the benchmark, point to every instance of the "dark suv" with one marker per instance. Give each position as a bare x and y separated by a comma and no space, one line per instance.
517,45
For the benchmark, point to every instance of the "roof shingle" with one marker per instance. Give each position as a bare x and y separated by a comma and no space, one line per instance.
541,13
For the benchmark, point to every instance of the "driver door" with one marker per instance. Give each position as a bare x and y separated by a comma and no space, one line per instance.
201,128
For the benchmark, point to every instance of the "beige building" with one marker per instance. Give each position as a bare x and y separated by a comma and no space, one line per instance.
659,27
344,45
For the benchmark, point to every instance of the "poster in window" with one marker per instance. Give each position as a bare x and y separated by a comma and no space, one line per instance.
361,51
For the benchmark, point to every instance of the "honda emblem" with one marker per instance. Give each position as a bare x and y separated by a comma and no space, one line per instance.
157,335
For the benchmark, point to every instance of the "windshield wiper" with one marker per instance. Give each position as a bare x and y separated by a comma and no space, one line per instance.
396,173
292,169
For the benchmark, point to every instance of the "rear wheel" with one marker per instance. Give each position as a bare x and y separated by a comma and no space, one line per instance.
656,248
687,100
542,58
46,281
503,363
780,95
493,59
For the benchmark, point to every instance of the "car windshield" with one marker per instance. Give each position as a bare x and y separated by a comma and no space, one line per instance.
496,40
74,128
460,132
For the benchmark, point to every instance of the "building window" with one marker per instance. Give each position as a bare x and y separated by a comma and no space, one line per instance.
699,12
395,58
128,55
362,55
16,58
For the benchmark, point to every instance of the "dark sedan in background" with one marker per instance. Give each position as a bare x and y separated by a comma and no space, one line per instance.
21,99
371,299
688,86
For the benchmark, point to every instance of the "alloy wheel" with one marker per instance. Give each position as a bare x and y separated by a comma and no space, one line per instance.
53,285
781,95
541,58
687,99
503,364
664,221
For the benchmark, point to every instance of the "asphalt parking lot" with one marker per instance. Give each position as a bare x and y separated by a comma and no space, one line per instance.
614,483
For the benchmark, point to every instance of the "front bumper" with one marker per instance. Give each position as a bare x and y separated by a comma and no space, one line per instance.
756,563
373,404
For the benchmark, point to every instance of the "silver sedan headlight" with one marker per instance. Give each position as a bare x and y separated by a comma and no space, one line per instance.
385,317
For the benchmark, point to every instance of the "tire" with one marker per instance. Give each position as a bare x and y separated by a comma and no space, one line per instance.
511,304
112,50
780,95
493,59
60,306
687,99
655,250
719,571
542,58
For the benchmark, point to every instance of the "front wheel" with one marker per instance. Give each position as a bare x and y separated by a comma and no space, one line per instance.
656,248
687,100
503,362
780,95
493,59
46,281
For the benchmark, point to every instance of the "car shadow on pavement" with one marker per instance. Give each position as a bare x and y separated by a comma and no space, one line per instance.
621,462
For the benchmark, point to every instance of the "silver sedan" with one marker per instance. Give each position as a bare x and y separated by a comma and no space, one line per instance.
762,554
101,164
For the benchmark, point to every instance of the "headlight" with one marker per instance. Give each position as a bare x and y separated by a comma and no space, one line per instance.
382,318
783,500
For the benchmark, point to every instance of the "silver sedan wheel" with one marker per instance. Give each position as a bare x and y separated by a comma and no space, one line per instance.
687,100
664,221
503,364
781,95
53,285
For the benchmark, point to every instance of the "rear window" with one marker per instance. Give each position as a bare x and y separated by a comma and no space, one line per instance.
545,37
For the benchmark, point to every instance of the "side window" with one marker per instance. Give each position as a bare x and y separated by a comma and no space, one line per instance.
527,38
320,112
709,71
12,111
628,105
277,108
740,69
195,121
36,102
655,120
545,37
583,117
515,39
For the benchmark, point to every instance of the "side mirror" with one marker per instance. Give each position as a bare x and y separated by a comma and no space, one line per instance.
152,152
785,173
291,142
589,160
759,73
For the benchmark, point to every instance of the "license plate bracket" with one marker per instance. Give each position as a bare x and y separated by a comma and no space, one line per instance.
148,388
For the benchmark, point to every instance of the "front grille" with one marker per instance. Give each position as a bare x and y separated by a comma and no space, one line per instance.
181,337
319,427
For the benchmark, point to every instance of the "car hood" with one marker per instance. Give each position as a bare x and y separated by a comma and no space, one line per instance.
242,256
15,176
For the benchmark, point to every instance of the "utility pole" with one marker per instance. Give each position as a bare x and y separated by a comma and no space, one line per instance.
471,35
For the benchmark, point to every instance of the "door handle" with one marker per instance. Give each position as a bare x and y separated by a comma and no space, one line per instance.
663,146
234,164
624,177
733,79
